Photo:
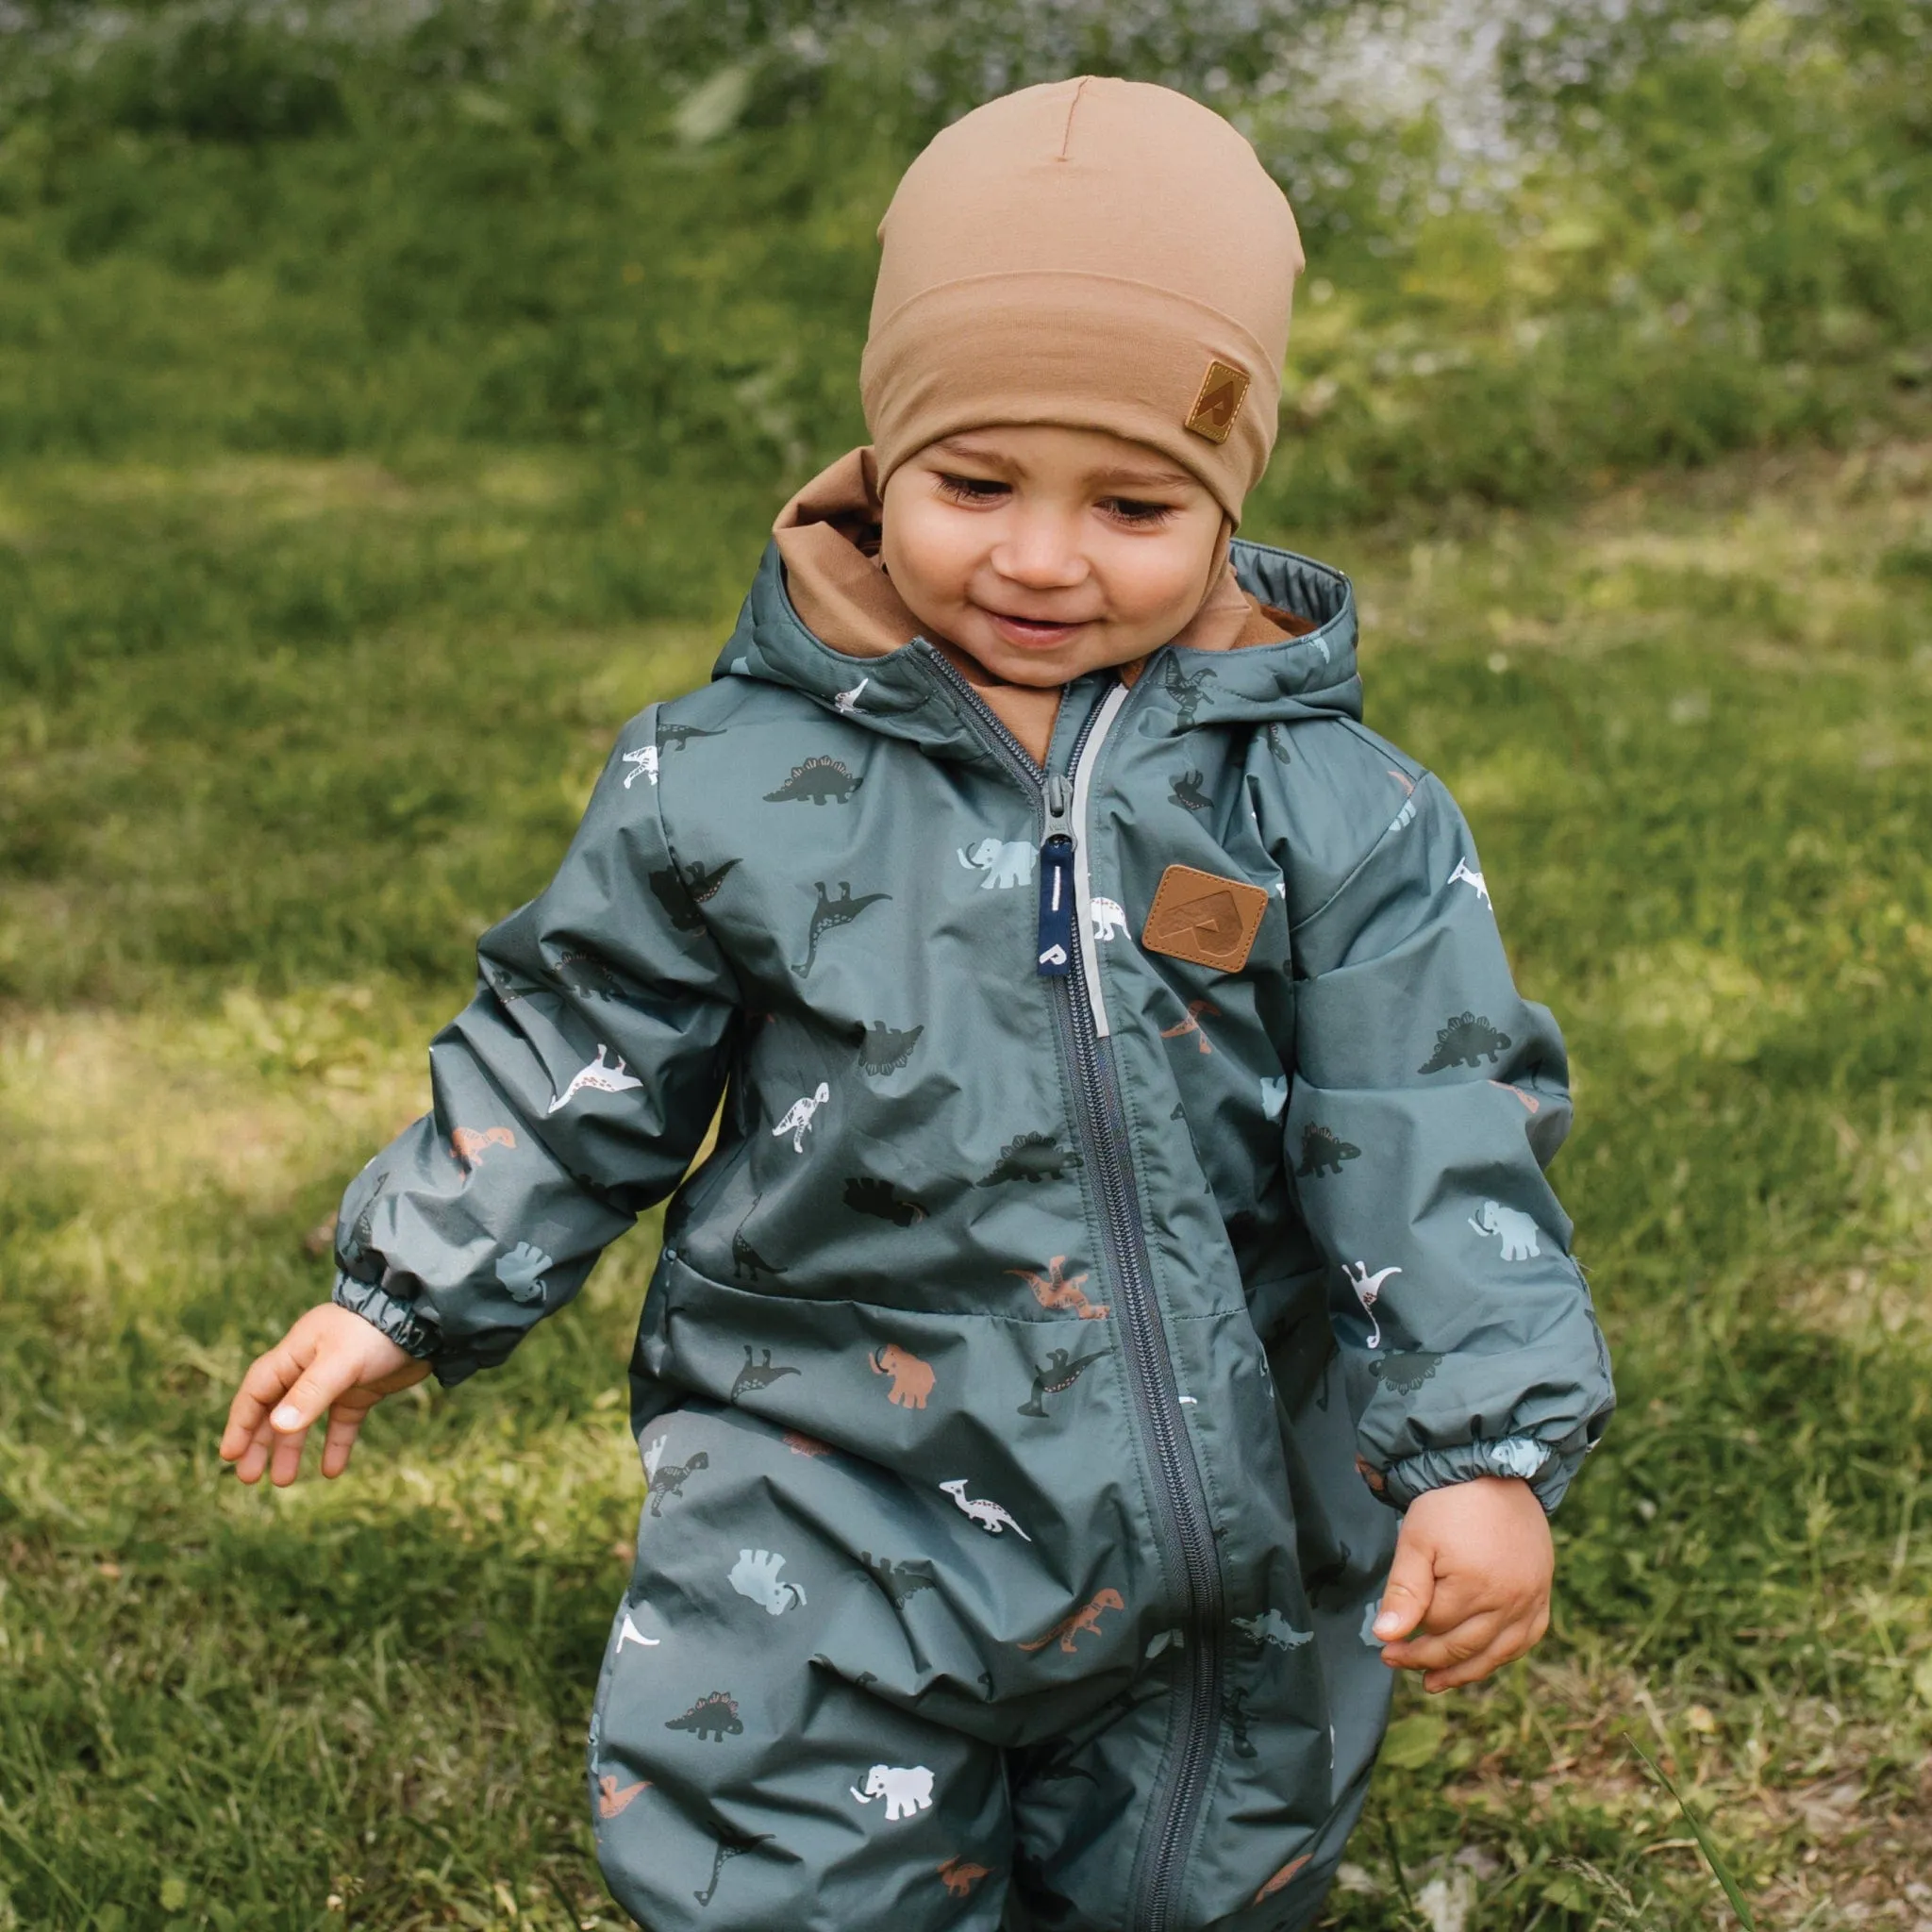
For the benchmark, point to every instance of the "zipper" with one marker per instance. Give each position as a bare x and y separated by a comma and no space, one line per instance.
1182,1522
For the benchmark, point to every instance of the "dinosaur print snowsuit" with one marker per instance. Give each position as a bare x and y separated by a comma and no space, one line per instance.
1041,1510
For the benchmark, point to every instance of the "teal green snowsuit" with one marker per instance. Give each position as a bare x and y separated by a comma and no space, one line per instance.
1021,1370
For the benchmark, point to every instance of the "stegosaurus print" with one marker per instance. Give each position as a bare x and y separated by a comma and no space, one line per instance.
1405,1373
1466,1039
867,1194
713,1716
818,781
884,1049
681,890
1030,1158
1322,1152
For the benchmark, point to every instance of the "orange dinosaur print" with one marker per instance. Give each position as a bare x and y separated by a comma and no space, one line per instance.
1087,1617
1192,1025
1056,1289
1281,1878
801,1444
611,1801
961,1876
467,1144
912,1379
1529,1100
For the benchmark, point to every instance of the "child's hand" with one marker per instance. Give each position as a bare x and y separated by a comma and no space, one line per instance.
329,1360
1470,1587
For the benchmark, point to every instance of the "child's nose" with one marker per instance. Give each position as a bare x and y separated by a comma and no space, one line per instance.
1040,553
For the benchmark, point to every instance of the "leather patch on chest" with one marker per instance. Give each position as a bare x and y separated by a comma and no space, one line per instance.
1205,919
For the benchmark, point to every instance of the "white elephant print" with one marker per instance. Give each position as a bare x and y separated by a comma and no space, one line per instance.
1518,1232
1006,862
905,1789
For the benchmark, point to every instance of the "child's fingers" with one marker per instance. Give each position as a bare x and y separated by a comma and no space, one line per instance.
254,1456
1512,1642
268,1378
1438,1650
1411,1587
344,1424
285,1461
316,1390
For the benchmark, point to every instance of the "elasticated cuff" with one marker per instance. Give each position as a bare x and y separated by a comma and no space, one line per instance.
398,1320
1547,1471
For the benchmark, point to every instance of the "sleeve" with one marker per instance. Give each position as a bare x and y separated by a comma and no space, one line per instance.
569,1095
1429,1097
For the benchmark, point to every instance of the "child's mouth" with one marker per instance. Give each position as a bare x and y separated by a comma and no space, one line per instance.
1034,632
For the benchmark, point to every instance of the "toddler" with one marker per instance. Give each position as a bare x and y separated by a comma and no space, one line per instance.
1127,1233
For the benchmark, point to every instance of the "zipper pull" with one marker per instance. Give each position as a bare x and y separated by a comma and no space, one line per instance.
1056,947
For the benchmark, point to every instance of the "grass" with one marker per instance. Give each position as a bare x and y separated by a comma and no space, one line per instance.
354,489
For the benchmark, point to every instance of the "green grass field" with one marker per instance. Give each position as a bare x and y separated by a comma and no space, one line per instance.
359,477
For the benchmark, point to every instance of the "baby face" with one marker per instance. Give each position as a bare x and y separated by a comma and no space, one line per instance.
1047,552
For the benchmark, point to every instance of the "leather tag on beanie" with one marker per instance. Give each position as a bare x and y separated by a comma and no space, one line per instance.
1223,391
1205,919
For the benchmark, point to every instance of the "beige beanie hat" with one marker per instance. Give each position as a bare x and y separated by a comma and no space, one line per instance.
1096,253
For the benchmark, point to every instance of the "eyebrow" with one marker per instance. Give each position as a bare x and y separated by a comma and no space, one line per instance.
1116,476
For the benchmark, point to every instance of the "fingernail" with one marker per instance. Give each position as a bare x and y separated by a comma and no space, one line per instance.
1385,1626
285,1416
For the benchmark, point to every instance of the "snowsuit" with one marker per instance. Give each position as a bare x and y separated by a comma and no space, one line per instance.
1085,1249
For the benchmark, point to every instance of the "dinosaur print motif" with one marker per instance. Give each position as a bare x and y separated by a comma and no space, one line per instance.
1470,879
1056,1375
643,763
1282,1878
1465,1040
830,913
469,1146
1276,740
988,1516
899,1580
1056,1290
1531,1103
797,1121
682,891
1517,1456
1518,1232
818,781
1322,1152
1192,1025
675,737
669,1480
1273,1095
629,1633
731,1844
960,1875
598,1078
612,1803
521,1272
1270,1626
714,1716
1234,1707
1187,693
866,1194
801,1444
758,1375
882,1049
1187,791
1368,1289
1404,817
1406,1373
846,702
906,1787
912,1379
1006,862
1109,919
746,1262
1030,1158
1085,1621
1370,1612
756,1575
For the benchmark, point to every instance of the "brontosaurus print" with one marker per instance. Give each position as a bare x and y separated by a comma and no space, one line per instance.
846,702
1368,1289
758,1375
682,891
1193,1024
468,1143
612,1803
830,912
959,1876
731,1843
598,1078
746,1262
988,1516
675,737
797,1121
1055,1376
629,1633
1085,1620
1057,1289
912,1379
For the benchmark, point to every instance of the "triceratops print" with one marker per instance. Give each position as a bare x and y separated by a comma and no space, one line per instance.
469,1144
1322,1152
818,781
596,1078
681,890
830,913
714,1716
758,1375
912,1379
756,1575
1030,1158
1057,1289
1465,1040
1055,1376
1083,1622
867,1194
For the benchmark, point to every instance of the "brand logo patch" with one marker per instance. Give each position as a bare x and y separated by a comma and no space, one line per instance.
1203,918
1223,391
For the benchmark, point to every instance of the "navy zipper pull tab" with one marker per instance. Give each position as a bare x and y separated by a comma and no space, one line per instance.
1056,882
